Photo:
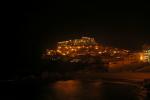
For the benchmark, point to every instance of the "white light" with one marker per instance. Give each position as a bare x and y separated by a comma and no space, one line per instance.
48,53
99,52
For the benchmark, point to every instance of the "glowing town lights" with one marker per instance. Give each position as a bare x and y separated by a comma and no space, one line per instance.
96,47
147,55
59,47
48,53
67,52
115,52
78,47
99,52
126,50
83,46
141,57
72,49
59,51
148,52
63,54
66,47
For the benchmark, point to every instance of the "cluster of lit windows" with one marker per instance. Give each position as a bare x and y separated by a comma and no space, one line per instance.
94,50
68,50
83,46
147,55
78,42
50,52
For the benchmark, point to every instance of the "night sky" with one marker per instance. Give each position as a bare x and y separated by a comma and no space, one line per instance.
124,25
34,26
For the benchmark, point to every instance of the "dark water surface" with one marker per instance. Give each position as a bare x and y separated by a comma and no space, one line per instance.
74,90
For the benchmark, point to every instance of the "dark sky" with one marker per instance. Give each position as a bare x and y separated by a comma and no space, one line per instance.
123,24
33,26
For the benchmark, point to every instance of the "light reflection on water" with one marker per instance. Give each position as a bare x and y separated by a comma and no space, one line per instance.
91,90
67,90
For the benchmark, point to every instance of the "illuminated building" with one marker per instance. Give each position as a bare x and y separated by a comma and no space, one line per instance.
84,41
87,50
146,55
85,46
77,47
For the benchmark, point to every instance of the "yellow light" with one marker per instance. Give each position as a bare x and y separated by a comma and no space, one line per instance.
115,52
63,54
48,53
59,51
67,52
59,47
141,58
78,47
96,47
66,47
